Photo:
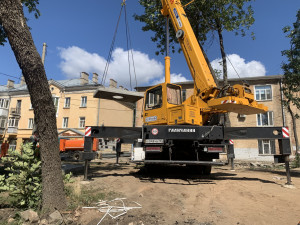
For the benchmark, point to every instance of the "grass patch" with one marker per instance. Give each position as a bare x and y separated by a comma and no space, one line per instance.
78,196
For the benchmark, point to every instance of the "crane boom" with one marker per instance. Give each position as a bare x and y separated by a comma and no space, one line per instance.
199,69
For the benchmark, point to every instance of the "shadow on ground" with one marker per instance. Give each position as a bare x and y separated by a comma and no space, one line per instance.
171,174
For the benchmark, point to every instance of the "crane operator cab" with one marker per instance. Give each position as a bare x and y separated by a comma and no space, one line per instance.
163,105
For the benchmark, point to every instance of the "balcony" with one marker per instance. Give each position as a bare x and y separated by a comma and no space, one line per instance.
15,111
3,112
12,130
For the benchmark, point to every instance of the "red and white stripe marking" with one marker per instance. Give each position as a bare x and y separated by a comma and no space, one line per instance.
228,101
285,132
231,142
88,131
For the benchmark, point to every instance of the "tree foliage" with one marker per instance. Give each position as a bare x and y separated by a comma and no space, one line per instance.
291,68
291,81
31,5
23,182
204,16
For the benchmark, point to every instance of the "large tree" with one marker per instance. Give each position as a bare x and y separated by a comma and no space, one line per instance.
206,17
13,26
291,81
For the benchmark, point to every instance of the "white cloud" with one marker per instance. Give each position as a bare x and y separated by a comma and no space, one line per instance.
244,69
76,60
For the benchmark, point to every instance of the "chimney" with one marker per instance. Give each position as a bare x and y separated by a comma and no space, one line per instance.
10,84
22,80
95,78
84,78
112,83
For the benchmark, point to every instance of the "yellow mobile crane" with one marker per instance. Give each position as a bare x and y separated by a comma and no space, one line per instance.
176,132
163,103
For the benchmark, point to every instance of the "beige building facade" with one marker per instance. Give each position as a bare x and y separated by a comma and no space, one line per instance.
75,106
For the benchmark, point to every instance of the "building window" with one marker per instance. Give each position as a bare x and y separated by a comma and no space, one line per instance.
2,122
4,103
30,107
265,119
83,101
65,122
82,122
13,144
19,103
266,147
56,104
30,123
263,93
67,102
13,122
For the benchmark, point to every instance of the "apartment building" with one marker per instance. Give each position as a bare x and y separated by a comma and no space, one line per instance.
266,90
75,107
80,102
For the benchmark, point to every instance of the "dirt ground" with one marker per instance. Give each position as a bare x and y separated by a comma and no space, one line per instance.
172,195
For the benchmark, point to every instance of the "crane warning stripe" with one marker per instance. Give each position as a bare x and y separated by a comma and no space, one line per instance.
228,101
88,131
285,132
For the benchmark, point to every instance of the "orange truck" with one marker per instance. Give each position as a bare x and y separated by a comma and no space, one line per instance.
72,148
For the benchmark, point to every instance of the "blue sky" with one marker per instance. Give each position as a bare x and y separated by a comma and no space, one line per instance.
79,34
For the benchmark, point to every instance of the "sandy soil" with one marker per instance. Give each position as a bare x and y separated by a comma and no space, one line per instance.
172,195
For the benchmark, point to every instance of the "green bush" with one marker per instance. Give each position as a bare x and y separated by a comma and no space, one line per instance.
296,162
24,181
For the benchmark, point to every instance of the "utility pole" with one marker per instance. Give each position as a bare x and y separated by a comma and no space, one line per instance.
44,52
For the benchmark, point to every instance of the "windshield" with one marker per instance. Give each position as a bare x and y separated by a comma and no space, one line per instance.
154,98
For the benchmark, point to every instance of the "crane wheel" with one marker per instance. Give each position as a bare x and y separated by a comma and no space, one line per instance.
76,156
206,170
200,169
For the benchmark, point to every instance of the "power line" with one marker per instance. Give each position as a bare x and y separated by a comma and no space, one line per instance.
10,76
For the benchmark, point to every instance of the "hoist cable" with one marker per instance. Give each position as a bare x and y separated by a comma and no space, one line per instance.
111,50
127,44
130,46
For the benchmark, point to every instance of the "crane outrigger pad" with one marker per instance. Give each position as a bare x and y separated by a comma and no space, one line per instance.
237,105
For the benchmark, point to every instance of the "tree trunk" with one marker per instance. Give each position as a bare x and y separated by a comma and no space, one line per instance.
223,54
224,63
294,128
29,60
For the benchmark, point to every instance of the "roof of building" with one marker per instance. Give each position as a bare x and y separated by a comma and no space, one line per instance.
61,83
260,78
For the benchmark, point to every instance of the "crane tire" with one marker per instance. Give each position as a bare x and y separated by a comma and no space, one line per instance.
76,156
206,170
